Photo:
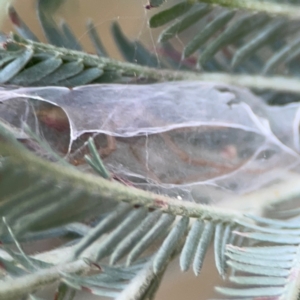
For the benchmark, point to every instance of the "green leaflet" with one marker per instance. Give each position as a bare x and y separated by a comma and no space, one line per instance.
129,223
266,34
207,32
242,27
251,292
202,246
222,238
283,55
170,14
133,237
21,28
184,23
63,73
190,245
133,52
95,39
170,244
15,66
39,70
156,231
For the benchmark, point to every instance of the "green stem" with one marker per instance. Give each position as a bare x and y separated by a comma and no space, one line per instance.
11,289
136,72
113,191
269,7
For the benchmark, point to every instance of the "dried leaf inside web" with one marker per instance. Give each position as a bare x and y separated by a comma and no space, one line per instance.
195,140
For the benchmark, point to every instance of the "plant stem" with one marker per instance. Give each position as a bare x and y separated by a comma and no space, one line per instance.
112,191
271,8
14,289
138,72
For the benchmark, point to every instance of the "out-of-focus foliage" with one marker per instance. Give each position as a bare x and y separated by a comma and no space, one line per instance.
4,4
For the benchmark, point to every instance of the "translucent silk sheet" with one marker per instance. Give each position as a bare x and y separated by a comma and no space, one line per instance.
198,141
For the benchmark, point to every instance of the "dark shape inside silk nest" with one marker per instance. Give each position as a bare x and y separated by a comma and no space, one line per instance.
196,141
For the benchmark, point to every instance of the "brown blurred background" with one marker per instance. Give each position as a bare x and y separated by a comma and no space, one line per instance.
132,16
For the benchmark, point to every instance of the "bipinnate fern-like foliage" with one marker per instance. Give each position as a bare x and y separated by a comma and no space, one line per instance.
59,66
243,34
109,227
134,220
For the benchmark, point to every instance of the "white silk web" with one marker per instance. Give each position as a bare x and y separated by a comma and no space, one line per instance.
200,141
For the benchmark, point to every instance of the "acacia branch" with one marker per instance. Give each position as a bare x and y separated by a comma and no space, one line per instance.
271,8
113,191
137,72
11,289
